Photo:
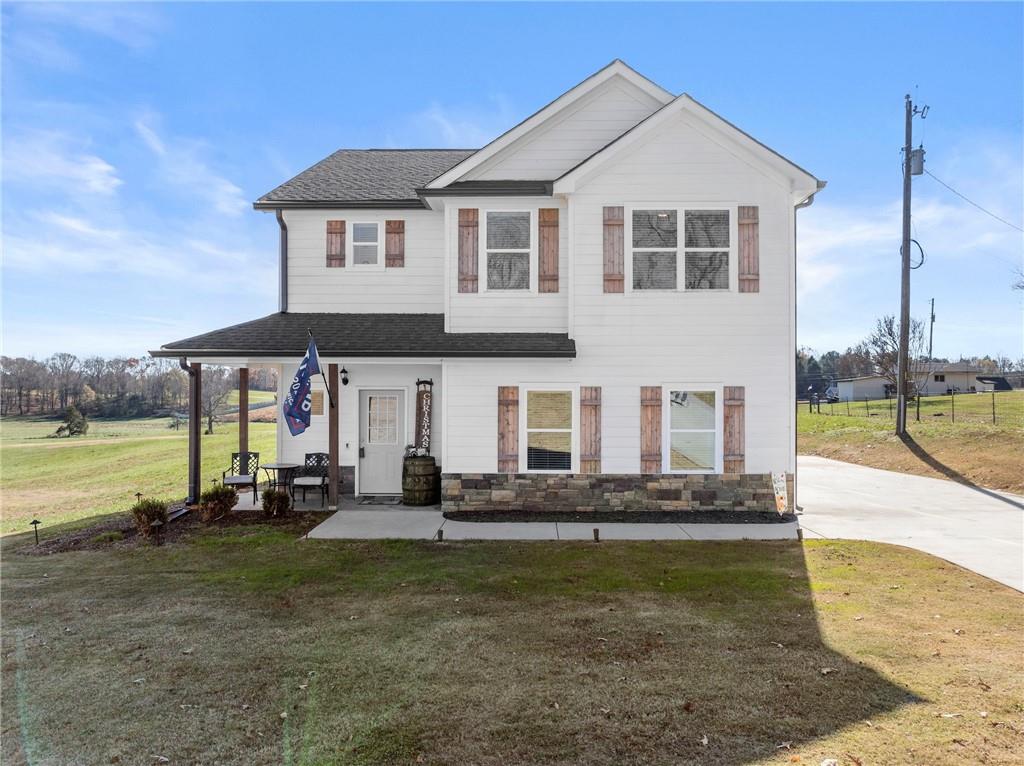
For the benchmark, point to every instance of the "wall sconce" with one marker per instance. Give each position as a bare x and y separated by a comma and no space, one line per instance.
344,376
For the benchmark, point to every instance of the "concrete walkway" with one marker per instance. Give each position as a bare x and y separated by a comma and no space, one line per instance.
977,528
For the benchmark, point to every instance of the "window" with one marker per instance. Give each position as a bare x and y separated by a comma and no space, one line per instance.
365,244
655,249
382,419
507,250
549,435
692,431
940,378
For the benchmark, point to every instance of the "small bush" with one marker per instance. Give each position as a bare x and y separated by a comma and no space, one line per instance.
216,501
276,502
75,423
112,536
145,512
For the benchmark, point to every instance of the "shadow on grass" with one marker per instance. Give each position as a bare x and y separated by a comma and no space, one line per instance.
951,473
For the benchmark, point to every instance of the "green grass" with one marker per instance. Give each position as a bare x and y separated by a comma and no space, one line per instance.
942,410
58,480
390,652
254,397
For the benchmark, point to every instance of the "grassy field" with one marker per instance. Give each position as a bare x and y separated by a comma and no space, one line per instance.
970,450
58,480
246,645
254,397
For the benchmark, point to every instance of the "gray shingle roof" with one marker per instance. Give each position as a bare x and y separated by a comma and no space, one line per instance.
365,335
365,178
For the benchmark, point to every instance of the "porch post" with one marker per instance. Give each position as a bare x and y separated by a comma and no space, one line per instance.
195,417
332,437
243,409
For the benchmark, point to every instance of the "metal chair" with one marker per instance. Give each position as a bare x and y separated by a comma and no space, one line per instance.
312,475
244,471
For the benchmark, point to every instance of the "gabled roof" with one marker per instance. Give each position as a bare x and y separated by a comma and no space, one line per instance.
616,68
384,178
685,103
365,335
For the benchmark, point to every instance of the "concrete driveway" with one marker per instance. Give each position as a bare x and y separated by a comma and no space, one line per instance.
977,528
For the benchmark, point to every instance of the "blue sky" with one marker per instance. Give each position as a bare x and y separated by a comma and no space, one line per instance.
135,138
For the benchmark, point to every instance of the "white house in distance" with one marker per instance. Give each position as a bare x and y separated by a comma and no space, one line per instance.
930,379
603,298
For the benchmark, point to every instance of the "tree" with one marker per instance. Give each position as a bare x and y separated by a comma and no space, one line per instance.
74,424
218,383
883,345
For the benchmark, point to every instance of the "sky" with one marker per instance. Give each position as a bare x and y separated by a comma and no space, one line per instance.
136,136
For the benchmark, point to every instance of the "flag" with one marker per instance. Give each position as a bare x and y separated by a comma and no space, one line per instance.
299,401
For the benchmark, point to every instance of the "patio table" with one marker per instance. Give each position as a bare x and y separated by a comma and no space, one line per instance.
281,473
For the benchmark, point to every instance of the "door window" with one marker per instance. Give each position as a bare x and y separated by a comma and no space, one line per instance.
382,419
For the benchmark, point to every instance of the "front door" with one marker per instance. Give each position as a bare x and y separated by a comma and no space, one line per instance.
381,441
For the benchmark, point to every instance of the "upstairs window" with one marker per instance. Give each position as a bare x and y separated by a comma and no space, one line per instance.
692,431
658,262
507,251
365,244
549,425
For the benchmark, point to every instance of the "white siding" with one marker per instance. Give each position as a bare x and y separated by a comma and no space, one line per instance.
567,139
495,311
416,288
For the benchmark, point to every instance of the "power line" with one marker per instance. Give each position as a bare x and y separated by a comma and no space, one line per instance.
972,202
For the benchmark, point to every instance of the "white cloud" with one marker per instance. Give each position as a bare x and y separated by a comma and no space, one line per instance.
457,127
54,159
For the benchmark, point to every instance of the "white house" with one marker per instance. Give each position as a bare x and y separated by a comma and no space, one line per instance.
929,379
603,298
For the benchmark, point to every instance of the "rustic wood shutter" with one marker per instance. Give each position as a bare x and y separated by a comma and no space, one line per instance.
469,244
734,429
335,243
508,429
614,232
394,244
590,429
650,429
547,222
750,279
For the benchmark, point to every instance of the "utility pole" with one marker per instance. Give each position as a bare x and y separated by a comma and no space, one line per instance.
910,168
931,330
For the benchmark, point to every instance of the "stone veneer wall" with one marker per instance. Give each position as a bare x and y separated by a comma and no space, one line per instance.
609,492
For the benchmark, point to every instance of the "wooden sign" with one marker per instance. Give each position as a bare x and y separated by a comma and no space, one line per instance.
318,402
424,398
781,498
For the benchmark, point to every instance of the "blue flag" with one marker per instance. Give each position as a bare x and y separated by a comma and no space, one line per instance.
298,403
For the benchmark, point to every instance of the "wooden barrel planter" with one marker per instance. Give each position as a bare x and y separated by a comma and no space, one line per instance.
420,481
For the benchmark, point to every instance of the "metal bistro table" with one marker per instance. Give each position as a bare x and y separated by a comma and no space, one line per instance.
279,474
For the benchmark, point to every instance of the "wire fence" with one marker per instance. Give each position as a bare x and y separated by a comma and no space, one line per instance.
994,407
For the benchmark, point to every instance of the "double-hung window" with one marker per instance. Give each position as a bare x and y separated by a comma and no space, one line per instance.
700,261
508,248
549,431
693,430
366,241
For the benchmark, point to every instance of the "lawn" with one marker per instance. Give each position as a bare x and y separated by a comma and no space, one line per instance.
58,480
248,645
970,450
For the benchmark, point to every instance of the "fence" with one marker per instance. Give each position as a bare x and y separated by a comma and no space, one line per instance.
994,407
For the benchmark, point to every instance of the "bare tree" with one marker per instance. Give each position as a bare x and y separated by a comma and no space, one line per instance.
883,345
218,383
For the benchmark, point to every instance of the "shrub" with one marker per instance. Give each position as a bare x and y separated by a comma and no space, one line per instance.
216,501
113,536
75,423
145,512
276,502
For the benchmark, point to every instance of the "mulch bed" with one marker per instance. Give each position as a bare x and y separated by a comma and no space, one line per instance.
119,532
627,517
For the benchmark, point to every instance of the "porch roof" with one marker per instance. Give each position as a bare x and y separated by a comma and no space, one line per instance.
365,335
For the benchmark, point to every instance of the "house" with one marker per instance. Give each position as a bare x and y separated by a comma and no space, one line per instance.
929,379
602,300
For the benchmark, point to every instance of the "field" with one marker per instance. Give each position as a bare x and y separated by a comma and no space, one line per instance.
971,450
59,480
249,645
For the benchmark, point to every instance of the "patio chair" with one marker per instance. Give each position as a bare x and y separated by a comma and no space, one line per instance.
313,475
244,471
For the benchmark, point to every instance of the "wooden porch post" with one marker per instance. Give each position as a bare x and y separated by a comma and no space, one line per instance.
195,417
332,437
243,409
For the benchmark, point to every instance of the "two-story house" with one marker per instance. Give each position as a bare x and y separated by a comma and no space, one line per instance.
603,297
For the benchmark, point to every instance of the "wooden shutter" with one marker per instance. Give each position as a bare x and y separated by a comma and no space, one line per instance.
750,280
547,223
508,429
614,273
394,244
734,429
590,429
650,429
335,243
469,244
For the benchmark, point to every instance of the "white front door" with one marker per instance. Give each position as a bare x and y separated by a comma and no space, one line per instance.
381,441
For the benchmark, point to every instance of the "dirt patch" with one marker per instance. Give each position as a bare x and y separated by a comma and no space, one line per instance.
626,517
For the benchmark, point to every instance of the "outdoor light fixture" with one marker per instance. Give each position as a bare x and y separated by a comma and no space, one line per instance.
344,376
35,528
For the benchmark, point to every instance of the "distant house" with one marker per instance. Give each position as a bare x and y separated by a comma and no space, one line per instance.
930,379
